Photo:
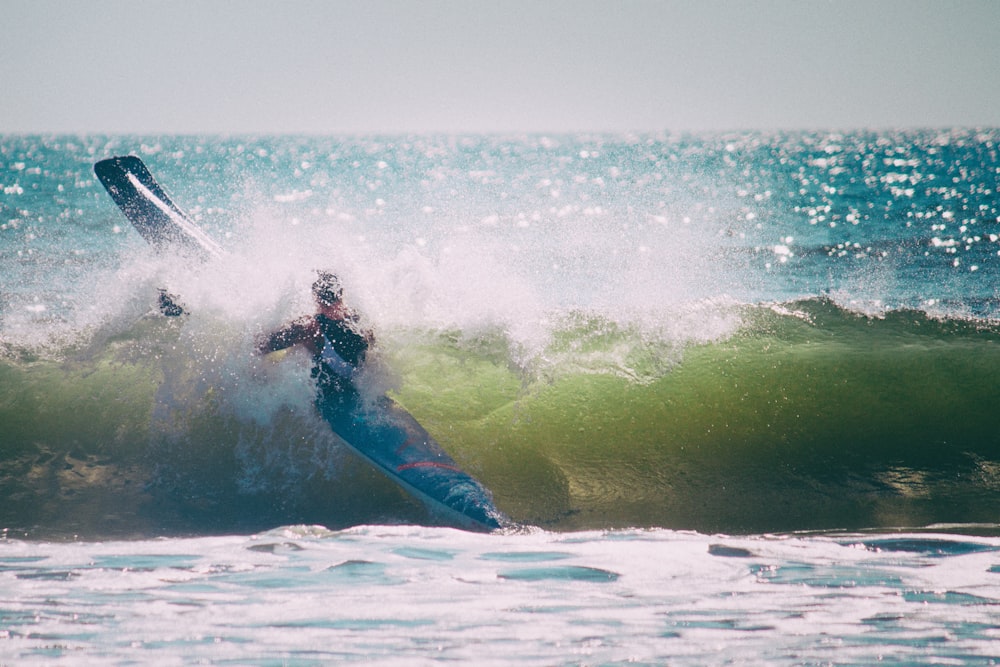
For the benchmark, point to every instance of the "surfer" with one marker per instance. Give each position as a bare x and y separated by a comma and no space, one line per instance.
372,425
334,335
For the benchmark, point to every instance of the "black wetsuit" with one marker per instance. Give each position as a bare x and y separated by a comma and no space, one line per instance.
350,345
340,348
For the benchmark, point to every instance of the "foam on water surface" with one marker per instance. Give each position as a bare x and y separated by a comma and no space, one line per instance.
388,595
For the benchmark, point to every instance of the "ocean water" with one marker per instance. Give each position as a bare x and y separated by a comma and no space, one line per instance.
739,390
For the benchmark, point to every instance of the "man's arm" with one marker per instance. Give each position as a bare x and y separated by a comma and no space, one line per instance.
302,331
169,306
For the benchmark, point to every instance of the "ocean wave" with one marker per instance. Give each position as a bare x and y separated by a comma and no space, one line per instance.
796,415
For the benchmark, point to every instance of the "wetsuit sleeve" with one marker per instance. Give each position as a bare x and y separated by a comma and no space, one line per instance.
299,331
169,306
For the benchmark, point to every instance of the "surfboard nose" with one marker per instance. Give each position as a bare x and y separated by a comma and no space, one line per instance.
150,209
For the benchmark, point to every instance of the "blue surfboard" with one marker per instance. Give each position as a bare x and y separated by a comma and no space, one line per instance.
381,431
394,442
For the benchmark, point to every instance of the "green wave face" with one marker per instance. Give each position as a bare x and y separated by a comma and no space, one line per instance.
806,417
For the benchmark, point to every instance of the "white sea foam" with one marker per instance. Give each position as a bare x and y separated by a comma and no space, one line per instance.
405,595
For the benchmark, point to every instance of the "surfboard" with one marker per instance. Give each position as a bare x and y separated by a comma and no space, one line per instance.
380,431
389,438
149,208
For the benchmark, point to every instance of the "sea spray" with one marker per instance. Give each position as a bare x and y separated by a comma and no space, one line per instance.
739,332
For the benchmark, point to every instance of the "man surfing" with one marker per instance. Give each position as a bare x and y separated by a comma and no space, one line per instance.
334,335
375,427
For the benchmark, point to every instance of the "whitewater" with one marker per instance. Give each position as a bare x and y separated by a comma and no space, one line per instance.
738,391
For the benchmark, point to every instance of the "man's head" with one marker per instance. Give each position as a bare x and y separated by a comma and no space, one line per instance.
327,289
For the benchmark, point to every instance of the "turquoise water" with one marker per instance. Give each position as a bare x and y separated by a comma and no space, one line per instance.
742,387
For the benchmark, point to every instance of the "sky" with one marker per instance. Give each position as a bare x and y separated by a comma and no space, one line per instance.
497,66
